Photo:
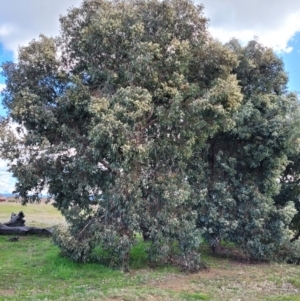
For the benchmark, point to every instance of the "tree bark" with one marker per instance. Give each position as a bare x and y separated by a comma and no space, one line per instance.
16,225
145,232
216,246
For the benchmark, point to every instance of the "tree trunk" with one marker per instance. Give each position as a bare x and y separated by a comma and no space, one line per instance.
16,225
216,246
145,233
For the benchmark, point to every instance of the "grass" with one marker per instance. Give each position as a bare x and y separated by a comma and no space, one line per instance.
32,269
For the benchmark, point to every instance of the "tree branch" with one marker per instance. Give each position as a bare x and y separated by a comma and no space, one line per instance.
106,165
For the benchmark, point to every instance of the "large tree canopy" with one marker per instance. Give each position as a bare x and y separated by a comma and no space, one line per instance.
137,121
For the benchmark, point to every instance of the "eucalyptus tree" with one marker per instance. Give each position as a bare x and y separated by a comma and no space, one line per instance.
137,121
109,114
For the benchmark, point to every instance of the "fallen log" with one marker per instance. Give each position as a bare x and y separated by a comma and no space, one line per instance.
24,230
16,225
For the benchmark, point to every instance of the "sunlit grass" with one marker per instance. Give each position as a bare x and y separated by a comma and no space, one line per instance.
36,271
32,269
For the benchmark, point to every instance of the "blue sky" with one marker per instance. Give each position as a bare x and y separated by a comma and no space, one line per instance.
5,55
276,23
292,63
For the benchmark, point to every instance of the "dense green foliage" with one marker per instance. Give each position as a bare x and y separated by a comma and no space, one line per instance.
137,121
246,162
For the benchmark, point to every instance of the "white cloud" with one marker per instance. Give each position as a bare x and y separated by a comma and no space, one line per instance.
2,86
274,22
5,30
7,182
22,21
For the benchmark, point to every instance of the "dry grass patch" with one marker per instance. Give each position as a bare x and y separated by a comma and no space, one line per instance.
36,215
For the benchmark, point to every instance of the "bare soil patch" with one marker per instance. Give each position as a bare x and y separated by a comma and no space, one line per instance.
6,292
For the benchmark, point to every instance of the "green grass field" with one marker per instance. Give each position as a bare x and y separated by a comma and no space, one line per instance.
32,269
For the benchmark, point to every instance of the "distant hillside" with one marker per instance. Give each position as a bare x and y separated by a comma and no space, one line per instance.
7,195
10,195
